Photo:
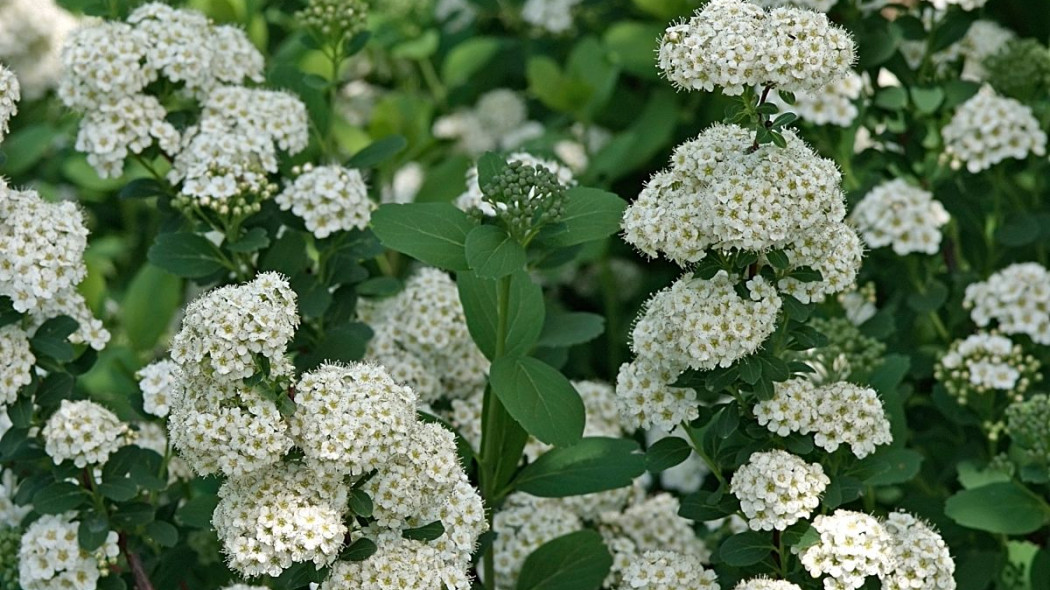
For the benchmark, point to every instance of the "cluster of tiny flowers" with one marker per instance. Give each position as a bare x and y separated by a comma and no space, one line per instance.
765,584
1017,298
1026,423
10,94
919,558
817,5
847,353
156,381
988,129
984,363
852,546
553,16
355,415
664,570
523,524
718,193
328,199
649,524
703,324
834,104
16,363
647,400
421,338
83,432
838,414
833,249
499,121
474,199
412,481
334,18
217,422
777,488
896,213
107,66
31,37
404,564
735,44
964,4
50,556
234,145
983,39
271,518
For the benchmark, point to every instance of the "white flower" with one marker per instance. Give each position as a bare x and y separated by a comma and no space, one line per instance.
1017,298
919,558
156,380
499,121
904,216
988,128
834,104
16,363
665,570
51,558
776,489
835,251
11,514
765,584
83,432
10,94
399,563
31,36
553,16
852,546
328,199
647,399
983,363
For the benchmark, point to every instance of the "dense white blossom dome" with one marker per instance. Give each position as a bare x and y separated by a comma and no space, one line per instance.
919,557
835,250
50,556
984,363
646,399
83,432
328,199
665,570
988,129
31,36
10,94
156,381
852,546
896,213
1017,298
16,363
776,489
834,104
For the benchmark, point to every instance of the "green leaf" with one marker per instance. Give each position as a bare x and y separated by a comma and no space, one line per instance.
704,505
890,466
143,188
926,100
21,412
492,253
782,120
467,58
359,550
1004,507
185,254
892,98
539,398
24,148
589,214
953,28
111,582
119,489
594,464
287,255
778,259
931,300
666,453
490,165
427,532
570,328
631,45
525,312
576,561
750,369
434,233
52,338
92,531
1020,229
361,503
59,497
345,342
253,240
54,388
196,513
164,533
379,287
377,152
744,549
806,274
133,514
150,302
417,47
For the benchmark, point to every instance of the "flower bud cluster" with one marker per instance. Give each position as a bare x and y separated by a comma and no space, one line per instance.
852,546
1017,298
735,44
838,414
1026,424
83,432
665,570
897,214
9,541
1020,69
474,199
776,489
334,19
51,557
328,199
984,363
525,197
988,129
421,338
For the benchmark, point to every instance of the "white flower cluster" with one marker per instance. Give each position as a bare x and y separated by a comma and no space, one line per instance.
473,198
10,94
83,432
234,145
523,524
328,199
838,414
50,556
31,37
664,570
720,194
274,517
988,128
834,104
983,39
553,16
16,364
157,380
421,338
499,121
833,249
647,400
817,5
896,213
1017,298
919,557
777,488
964,4
852,546
765,584
217,422
404,564
983,363
11,514
736,44
703,324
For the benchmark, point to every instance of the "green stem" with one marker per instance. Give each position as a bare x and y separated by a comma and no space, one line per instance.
699,448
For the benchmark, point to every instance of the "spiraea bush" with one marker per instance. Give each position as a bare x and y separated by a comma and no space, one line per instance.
524,295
